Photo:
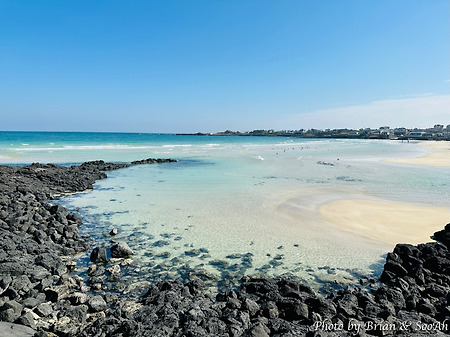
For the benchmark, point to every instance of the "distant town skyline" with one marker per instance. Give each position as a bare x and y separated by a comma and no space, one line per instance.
436,132
207,66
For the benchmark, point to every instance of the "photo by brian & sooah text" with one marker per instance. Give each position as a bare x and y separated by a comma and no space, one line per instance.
356,326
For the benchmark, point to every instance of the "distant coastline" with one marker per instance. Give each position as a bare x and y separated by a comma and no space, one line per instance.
438,132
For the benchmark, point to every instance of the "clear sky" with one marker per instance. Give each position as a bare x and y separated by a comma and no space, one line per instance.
212,65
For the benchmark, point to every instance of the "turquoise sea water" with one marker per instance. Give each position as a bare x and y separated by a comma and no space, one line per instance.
235,205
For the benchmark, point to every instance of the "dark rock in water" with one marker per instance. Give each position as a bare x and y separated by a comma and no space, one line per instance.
444,236
121,249
152,161
75,218
325,163
234,256
91,270
219,263
98,255
192,252
163,255
161,243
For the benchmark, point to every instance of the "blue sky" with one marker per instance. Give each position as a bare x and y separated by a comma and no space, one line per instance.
188,66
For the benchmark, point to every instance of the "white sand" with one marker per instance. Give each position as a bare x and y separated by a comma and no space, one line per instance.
352,216
441,156
386,221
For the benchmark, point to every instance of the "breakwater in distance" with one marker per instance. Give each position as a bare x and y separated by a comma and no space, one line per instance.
39,288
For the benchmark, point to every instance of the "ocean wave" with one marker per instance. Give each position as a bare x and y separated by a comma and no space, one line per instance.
114,147
177,145
85,147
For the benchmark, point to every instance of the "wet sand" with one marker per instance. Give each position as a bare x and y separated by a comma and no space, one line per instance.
439,157
393,222
362,220
388,222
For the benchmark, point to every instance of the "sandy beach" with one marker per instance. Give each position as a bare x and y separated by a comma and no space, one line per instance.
439,157
364,219
385,221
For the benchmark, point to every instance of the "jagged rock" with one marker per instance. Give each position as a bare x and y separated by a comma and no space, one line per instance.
121,249
10,311
443,235
114,270
251,306
78,298
97,303
43,309
259,330
98,255
27,320
71,266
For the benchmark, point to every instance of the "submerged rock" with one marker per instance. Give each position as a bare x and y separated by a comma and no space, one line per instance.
98,255
121,249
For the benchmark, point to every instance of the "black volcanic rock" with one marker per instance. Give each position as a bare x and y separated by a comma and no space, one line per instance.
443,236
121,249
98,255
35,239
152,161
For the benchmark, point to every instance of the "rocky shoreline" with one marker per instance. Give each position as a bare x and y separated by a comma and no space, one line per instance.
38,241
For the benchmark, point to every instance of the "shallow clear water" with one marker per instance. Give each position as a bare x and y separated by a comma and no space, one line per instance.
226,207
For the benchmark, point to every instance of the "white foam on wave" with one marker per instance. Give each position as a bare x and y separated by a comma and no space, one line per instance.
176,145
87,147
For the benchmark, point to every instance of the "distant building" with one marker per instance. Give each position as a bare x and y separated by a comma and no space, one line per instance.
438,128
385,130
416,134
400,132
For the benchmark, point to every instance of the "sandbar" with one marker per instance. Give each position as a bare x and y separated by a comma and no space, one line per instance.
385,221
441,156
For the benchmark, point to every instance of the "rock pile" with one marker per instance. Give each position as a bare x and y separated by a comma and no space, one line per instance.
411,299
37,242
